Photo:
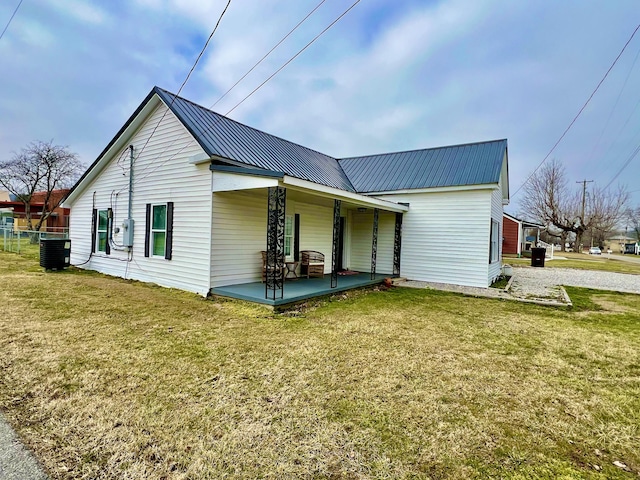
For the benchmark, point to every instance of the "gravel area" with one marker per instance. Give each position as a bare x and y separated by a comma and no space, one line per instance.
16,462
534,279
544,285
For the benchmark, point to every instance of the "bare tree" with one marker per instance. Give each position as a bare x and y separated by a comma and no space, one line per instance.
632,217
549,200
40,167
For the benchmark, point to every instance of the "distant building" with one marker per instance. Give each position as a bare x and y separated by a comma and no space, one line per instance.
516,235
57,221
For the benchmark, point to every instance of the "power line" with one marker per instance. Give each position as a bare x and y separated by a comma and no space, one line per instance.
255,89
10,19
267,54
606,124
250,70
187,77
295,56
624,165
578,114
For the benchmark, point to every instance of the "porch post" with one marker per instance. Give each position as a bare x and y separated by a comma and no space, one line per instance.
336,238
274,275
374,243
397,243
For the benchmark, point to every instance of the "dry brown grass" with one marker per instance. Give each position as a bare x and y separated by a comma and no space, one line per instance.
106,378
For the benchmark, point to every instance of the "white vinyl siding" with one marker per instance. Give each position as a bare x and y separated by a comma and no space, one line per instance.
316,229
361,242
239,234
445,236
162,174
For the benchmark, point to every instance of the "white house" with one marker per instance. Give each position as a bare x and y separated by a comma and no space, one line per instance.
184,197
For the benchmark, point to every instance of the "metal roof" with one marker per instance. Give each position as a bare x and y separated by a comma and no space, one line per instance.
223,137
469,164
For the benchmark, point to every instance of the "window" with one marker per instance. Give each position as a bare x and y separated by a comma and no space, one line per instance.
102,230
288,235
158,235
493,246
159,230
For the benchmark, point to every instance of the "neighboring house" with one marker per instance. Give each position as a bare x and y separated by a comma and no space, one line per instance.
517,235
617,242
58,221
209,194
5,212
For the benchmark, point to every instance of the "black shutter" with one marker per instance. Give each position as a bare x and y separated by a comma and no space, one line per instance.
107,249
147,231
169,238
296,238
94,228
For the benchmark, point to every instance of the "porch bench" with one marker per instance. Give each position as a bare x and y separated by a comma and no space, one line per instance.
311,263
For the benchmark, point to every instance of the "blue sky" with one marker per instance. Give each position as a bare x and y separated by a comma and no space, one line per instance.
391,75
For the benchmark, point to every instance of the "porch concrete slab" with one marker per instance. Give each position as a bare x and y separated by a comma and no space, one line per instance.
300,289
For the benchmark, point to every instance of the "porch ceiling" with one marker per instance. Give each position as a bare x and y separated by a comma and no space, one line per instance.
228,179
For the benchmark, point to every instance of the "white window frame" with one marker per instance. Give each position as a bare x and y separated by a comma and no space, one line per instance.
153,231
290,219
99,230
494,247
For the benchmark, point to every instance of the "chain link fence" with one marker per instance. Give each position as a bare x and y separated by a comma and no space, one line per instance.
27,242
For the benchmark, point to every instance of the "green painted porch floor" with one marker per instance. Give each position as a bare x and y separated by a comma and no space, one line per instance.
298,290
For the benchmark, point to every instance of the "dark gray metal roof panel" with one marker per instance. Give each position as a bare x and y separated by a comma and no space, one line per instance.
469,164
226,138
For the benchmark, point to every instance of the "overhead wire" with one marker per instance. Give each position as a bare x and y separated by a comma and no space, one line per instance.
268,53
10,19
615,105
156,167
578,114
264,57
624,165
186,78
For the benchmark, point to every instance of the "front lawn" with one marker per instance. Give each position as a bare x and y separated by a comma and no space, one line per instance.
107,378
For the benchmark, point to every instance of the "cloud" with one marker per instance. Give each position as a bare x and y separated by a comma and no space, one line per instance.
389,76
82,12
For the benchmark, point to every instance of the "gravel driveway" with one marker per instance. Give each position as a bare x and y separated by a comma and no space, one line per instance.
537,281
543,285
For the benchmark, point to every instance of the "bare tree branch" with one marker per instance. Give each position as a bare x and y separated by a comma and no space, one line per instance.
549,200
40,167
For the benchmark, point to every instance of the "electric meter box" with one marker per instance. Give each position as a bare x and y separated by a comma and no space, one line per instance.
127,232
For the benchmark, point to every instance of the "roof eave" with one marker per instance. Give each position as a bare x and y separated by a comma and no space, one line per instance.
127,130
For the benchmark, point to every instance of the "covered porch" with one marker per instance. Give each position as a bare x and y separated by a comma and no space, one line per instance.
295,291
263,220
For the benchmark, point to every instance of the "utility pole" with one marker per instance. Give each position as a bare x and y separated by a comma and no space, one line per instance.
584,197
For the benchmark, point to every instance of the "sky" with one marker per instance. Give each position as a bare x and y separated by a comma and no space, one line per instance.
391,75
